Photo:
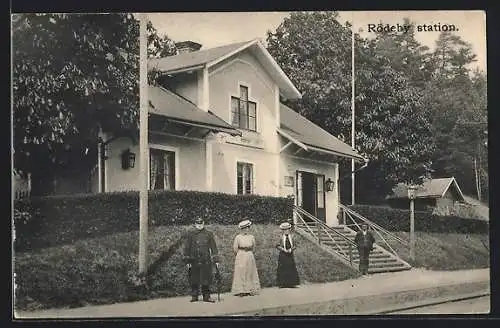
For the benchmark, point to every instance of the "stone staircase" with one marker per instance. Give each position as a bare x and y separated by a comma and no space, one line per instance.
339,241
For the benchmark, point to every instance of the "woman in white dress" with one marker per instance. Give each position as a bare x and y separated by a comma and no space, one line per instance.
246,278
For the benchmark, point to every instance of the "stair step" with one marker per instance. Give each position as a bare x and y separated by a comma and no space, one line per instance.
387,269
383,265
374,256
380,260
338,242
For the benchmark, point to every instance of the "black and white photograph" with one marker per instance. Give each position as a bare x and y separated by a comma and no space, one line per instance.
208,164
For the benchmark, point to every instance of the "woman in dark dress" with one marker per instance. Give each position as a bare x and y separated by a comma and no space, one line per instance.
287,275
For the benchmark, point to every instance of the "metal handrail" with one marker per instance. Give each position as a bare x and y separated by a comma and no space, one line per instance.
318,221
326,229
318,234
373,225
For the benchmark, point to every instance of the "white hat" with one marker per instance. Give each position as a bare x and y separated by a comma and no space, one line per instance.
285,226
244,224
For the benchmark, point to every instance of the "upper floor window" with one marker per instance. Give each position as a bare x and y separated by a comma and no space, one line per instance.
243,111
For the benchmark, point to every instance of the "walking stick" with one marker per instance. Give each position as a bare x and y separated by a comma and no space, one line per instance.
218,280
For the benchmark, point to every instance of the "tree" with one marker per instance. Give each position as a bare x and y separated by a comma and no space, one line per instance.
406,55
456,98
392,130
72,74
159,46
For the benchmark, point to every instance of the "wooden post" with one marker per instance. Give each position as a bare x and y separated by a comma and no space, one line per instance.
143,146
353,167
412,229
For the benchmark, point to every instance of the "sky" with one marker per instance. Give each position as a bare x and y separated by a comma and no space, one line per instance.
214,29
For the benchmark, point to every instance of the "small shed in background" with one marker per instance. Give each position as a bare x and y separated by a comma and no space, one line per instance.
441,195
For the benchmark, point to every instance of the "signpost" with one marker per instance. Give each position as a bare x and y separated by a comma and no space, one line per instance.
143,145
412,193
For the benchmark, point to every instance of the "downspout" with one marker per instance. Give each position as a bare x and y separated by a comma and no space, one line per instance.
101,160
354,171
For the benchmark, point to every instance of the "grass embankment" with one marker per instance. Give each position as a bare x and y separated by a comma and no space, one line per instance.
446,251
96,271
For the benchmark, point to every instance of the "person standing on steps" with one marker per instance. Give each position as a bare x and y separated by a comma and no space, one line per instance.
246,278
364,241
200,253
287,275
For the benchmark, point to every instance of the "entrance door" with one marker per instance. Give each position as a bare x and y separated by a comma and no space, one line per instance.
310,193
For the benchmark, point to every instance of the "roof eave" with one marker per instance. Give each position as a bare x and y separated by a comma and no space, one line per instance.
287,89
292,139
455,183
218,128
308,147
230,54
293,92
337,153
182,70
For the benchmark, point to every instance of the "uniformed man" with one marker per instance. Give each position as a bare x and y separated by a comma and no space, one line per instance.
200,253
364,240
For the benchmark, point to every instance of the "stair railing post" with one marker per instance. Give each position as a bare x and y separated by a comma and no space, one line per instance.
319,233
350,253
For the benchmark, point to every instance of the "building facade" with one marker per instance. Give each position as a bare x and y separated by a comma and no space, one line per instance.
217,124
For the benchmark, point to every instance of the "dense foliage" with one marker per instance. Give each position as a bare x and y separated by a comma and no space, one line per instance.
74,74
419,113
100,270
399,220
56,220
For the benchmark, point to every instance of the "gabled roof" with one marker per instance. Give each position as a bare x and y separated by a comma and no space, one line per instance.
305,133
207,58
168,104
431,188
192,59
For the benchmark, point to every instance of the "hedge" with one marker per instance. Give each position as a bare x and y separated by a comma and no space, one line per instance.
399,220
55,220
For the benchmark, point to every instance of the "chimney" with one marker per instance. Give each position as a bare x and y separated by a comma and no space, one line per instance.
187,46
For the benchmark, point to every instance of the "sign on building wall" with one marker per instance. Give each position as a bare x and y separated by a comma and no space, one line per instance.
289,181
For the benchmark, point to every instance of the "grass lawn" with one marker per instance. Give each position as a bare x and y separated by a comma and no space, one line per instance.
446,251
96,271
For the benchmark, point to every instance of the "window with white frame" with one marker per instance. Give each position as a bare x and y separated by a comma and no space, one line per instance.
244,174
161,169
243,111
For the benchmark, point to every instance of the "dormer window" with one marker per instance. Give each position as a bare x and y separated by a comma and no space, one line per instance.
243,111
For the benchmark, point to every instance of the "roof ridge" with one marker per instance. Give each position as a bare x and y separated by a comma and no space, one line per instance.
185,54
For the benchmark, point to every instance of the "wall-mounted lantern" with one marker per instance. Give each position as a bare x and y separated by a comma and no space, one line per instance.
412,192
329,185
128,159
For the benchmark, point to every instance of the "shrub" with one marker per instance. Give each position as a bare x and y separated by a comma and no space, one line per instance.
101,270
398,220
57,220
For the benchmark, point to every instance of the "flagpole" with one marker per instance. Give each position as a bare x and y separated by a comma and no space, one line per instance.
353,181
143,145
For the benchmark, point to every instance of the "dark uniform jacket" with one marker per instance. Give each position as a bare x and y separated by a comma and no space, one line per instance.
364,241
201,252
